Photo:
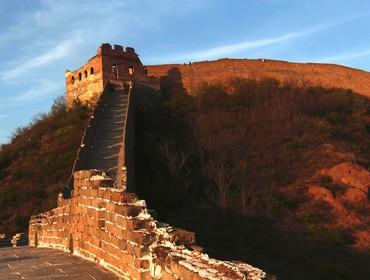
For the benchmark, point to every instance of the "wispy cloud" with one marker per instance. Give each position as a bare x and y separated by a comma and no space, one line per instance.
229,49
57,52
4,116
43,88
345,56
68,27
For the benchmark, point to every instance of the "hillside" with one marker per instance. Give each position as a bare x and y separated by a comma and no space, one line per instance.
35,165
272,174
191,75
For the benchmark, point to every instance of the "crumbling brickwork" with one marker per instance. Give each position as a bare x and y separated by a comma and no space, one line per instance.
110,65
190,76
112,227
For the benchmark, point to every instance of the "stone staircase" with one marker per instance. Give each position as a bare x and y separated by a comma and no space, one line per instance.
103,144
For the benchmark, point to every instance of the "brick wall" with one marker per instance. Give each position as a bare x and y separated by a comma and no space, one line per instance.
113,228
190,76
86,83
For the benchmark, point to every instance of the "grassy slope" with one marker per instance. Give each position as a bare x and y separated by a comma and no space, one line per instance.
35,165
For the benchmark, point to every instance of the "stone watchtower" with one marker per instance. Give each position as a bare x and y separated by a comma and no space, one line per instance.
110,65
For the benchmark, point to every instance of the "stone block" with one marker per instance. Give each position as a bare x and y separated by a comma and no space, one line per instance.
168,276
104,194
140,263
140,237
127,258
123,197
135,223
128,210
182,237
136,250
123,244
103,183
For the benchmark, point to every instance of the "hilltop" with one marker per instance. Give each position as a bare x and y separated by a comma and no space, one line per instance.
191,75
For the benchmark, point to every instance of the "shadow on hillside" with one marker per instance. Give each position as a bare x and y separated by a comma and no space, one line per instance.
187,203
172,83
261,243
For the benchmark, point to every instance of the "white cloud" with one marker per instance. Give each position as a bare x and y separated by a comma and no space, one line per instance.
80,25
345,56
4,116
229,49
57,52
247,45
44,87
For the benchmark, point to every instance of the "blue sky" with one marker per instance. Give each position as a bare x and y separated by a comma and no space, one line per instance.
41,38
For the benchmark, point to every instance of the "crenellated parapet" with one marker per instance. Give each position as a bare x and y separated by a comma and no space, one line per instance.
117,51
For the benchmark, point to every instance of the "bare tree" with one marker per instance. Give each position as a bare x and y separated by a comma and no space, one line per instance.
176,162
220,173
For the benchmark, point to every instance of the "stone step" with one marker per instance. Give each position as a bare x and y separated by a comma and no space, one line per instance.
106,134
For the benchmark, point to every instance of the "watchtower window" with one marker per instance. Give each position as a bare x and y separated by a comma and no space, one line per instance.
79,76
131,70
115,70
85,73
73,79
92,71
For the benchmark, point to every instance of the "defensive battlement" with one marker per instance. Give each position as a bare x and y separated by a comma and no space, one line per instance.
107,49
116,50
110,65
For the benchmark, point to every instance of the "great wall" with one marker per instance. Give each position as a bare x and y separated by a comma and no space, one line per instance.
98,216
191,75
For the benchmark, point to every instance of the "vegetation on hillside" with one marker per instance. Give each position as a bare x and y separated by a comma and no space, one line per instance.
36,164
230,163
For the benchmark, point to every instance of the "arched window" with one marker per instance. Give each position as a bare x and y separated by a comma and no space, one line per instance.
92,71
79,76
115,70
131,70
73,79
85,73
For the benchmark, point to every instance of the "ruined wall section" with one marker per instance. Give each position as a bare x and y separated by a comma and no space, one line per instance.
309,74
113,228
86,83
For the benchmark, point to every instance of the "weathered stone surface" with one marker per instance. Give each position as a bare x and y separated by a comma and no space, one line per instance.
114,228
44,264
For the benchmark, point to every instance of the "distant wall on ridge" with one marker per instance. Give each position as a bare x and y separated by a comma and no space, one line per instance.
191,75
